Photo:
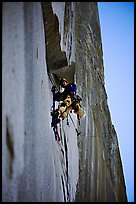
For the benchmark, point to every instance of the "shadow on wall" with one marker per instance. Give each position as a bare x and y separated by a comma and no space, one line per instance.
57,64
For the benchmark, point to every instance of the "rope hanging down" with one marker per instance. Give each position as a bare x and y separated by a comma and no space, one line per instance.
71,102
78,133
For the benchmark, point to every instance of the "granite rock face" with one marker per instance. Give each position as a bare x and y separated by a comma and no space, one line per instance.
101,174
42,42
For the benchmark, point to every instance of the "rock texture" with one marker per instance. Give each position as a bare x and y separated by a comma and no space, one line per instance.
42,42
101,174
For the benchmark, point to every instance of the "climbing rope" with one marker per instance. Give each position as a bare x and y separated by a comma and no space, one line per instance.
78,133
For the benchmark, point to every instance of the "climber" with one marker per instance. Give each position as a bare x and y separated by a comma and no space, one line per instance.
71,101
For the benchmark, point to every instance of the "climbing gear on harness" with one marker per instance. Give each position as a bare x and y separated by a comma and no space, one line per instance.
67,121
68,105
71,101
78,118
55,119
78,133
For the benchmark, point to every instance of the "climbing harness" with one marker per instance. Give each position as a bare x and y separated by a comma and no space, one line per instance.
55,114
66,109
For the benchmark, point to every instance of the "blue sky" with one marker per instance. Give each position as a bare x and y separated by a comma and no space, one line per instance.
117,32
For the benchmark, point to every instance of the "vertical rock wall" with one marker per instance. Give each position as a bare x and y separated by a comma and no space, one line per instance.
42,42
13,95
101,174
35,167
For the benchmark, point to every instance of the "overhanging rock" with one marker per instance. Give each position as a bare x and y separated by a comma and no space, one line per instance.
66,72
59,41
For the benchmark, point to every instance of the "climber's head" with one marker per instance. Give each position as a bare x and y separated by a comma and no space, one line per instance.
63,82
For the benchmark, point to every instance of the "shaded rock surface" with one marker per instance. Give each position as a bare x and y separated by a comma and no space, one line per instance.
42,42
